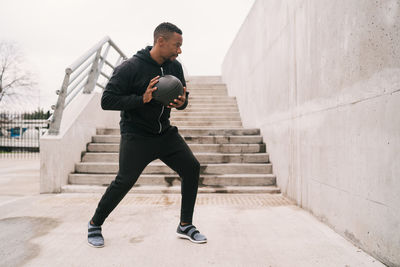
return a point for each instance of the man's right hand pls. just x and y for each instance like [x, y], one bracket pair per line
[148, 95]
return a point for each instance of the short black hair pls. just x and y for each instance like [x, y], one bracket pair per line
[164, 30]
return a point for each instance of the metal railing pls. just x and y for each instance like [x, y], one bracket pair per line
[84, 75]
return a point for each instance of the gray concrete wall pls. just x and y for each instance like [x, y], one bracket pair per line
[58, 154]
[321, 79]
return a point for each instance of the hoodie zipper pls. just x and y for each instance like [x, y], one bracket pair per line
[162, 109]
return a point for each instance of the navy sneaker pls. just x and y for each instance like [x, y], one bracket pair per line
[190, 232]
[95, 238]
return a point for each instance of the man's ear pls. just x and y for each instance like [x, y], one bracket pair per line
[161, 41]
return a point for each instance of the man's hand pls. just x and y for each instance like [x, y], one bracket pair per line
[148, 95]
[179, 101]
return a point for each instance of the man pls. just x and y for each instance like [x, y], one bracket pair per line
[146, 133]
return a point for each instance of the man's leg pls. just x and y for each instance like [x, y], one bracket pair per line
[135, 154]
[178, 156]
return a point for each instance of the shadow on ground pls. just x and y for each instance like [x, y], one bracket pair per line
[15, 238]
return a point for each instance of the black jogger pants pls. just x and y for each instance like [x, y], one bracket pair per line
[135, 153]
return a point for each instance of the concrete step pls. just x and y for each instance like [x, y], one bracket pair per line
[209, 126]
[214, 100]
[210, 98]
[216, 108]
[208, 91]
[207, 86]
[208, 103]
[228, 148]
[204, 118]
[202, 157]
[185, 131]
[185, 113]
[202, 97]
[218, 131]
[198, 123]
[202, 79]
[161, 168]
[188, 117]
[207, 148]
[209, 110]
[250, 139]
[171, 180]
[151, 189]
[201, 93]
[211, 107]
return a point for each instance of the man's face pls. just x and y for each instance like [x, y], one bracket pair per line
[171, 47]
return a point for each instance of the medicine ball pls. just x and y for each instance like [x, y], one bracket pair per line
[168, 88]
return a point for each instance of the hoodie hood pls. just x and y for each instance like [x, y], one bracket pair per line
[144, 54]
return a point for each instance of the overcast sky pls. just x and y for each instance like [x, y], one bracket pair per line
[54, 33]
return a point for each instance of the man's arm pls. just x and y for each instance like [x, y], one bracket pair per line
[117, 96]
[186, 96]
[186, 101]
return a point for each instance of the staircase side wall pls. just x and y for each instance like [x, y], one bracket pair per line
[321, 79]
[58, 154]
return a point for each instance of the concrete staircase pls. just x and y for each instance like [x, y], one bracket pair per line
[233, 159]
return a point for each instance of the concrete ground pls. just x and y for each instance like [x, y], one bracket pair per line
[242, 230]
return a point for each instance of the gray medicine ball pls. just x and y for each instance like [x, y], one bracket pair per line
[168, 88]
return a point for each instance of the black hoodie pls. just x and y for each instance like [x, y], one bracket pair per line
[124, 91]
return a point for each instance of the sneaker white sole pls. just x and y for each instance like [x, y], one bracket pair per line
[93, 246]
[188, 237]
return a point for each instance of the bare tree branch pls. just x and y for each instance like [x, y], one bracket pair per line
[12, 76]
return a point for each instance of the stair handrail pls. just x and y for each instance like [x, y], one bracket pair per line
[86, 71]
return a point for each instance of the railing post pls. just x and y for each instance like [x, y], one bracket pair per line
[55, 122]
[103, 59]
[91, 81]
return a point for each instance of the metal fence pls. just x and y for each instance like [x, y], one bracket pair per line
[20, 133]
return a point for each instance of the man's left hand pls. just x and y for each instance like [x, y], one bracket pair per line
[179, 101]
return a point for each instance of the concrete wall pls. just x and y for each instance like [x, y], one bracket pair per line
[58, 154]
[321, 79]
